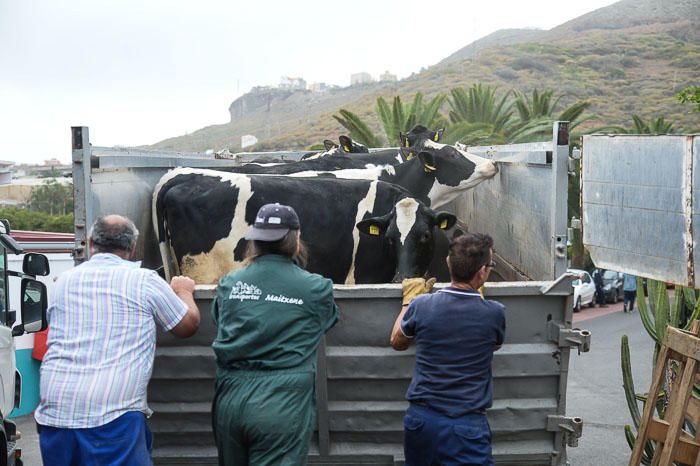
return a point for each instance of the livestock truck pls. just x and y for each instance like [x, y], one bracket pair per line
[33, 319]
[361, 381]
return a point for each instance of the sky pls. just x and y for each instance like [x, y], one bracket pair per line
[137, 72]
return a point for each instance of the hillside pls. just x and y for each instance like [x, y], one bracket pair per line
[631, 57]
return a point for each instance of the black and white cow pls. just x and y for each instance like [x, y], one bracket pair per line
[202, 216]
[436, 175]
[418, 135]
[347, 146]
[315, 165]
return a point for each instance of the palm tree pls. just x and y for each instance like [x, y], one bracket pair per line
[476, 112]
[358, 129]
[537, 113]
[654, 126]
[400, 117]
[397, 118]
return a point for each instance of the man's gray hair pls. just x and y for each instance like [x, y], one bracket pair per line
[113, 236]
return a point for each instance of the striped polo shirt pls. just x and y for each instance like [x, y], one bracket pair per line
[101, 343]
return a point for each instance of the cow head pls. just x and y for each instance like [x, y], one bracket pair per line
[454, 171]
[351, 147]
[407, 232]
[418, 134]
[347, 146]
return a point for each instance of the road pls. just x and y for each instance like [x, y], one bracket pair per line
[595, 389]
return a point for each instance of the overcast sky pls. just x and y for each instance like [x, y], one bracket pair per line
[137, 72]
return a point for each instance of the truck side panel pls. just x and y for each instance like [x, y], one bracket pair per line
[362, 381]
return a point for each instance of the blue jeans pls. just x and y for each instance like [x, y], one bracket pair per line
[432, 439]
[125, 441]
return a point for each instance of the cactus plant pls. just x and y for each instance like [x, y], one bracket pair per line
[656, 316]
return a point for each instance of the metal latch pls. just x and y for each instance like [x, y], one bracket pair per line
[563, 336]
[574, 160]
[572, 427]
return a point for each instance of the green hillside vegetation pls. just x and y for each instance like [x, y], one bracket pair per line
[630, 58]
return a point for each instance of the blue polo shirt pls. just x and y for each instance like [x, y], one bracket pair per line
[455, 332]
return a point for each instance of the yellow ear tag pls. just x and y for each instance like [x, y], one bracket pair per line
[405, 142]
[437, 136]
[443, 224]
[374, 230]
[429, 168]
[347, 149]
[410, 156]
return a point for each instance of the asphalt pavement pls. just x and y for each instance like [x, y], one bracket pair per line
[594, 390]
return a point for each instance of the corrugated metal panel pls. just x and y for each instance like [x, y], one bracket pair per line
[523, 207]
[364, 381]
[639, 205]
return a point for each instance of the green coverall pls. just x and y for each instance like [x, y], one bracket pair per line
[271, 317]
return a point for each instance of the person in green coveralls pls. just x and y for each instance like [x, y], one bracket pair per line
[270, 318]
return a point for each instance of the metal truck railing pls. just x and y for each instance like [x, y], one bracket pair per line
[362, 381]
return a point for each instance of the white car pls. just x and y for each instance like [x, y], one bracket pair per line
[584, 289]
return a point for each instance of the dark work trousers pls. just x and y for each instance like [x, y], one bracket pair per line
[431, 439]
[629, 299]
[264, 418]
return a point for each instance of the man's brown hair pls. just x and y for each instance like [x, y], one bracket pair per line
[467, 254]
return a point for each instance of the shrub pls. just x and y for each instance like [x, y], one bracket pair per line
[506, 73]
[23, 219]
[529, 63]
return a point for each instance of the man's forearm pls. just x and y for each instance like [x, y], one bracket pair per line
[398, 340]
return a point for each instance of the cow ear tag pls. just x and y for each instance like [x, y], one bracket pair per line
[409, 156]
[429, 168]
[347, 149]
[443, 224]
[374, 230]
[437, 136]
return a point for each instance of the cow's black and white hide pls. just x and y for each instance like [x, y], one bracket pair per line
[202, 216]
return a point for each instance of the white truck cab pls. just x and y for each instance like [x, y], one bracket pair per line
[33, 319]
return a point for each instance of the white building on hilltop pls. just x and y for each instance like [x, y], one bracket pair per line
[292, 84]
[360, 78]
[387, 76]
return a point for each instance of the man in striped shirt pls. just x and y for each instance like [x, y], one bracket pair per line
[100, 354]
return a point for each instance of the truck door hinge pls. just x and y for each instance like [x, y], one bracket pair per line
[572, 427]
[565, 337]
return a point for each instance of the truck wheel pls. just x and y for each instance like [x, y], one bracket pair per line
[577, 307]
[615, 298]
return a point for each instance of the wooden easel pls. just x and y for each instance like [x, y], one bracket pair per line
[672, 442]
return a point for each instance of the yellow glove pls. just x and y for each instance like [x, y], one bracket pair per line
[412, 287]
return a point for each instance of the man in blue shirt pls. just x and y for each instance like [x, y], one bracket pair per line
[456, 332]
[629, 289]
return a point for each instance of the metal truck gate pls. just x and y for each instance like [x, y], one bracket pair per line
[362, 381]
[643, 220]
[524, 206]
